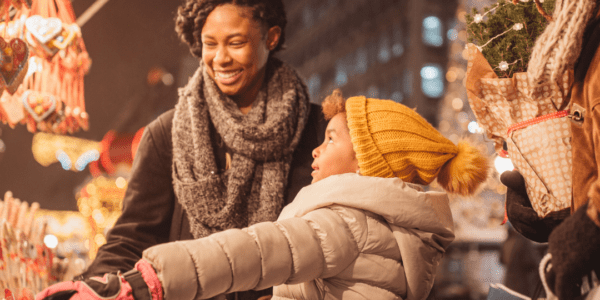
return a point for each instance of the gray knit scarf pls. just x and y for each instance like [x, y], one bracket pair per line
[261, 142]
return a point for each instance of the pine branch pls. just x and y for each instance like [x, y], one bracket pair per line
[506, 32]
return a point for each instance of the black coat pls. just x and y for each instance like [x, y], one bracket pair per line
[151, 212]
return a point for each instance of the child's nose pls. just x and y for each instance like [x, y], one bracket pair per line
[314, 153]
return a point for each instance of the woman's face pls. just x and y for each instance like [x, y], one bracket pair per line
[235, 49]
[336, 155]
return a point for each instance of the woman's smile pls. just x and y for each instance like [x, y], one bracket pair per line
[228, 77]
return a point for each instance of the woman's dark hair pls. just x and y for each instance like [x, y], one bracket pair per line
[192, 15]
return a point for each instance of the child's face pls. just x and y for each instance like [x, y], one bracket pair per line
[335, 155]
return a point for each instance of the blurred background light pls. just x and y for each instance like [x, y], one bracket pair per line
[432, 31]
[503, 164]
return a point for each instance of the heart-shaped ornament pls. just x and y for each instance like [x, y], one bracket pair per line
[43, 34]
[66, 37]
[13, 65]
[38, 105]
[43, 29]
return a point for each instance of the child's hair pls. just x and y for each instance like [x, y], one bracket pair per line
[392, 140]
[333, 104]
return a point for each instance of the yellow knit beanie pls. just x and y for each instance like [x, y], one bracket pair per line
[392, 140]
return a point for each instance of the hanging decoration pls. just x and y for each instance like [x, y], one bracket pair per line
[14, 57]
[30, 239]
[25, 262]
[43, 65]
[71, 152]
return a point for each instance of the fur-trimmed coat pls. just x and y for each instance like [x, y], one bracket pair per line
[344, 237]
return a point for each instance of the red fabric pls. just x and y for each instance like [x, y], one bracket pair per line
[150, 278]
[84, 292]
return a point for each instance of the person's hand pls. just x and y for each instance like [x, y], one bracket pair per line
[141, 283]
[575, 249]
[521, 214]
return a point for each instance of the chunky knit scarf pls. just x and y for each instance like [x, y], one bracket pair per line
[261, 142]
[556, 50]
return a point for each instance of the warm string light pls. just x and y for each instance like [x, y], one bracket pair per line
[503, 65]
[478, 18]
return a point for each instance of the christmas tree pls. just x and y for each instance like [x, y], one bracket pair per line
[506, 32]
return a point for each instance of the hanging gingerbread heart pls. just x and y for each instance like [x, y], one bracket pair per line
[13, 65]
[41, 33]
[38, 105]
[66, 37]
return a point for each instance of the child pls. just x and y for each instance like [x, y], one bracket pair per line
[362, 230]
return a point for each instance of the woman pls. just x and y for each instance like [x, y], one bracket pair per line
[236, 148]
[569, 42]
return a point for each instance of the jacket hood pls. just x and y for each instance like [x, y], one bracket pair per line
[402, 204]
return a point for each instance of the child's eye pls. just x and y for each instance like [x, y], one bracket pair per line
[330, 140]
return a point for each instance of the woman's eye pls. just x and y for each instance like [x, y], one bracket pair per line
[330, 141]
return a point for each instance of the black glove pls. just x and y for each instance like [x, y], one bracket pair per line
[521, 214]
[575, 249]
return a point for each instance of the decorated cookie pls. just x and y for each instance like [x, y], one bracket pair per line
[38, 105]
[41, 33]
[13, 63]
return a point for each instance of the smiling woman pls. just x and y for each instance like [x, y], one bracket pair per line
[233, 152]
[235, 51]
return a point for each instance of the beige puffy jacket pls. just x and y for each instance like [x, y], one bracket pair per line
[344, 237]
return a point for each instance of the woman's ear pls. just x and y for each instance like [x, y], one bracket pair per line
[273, 36]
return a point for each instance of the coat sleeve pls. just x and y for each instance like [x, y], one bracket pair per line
[147, 206]
[593, 211]
[319, 245]
[592, 94]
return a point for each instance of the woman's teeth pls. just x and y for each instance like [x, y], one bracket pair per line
[226, 75]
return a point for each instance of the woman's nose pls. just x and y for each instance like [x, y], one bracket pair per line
[222, 56]
[314, 153]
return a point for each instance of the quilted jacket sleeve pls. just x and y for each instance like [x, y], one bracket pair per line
[320, 244]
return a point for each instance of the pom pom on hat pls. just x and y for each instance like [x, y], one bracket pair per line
[392, 140]
[465, 172]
